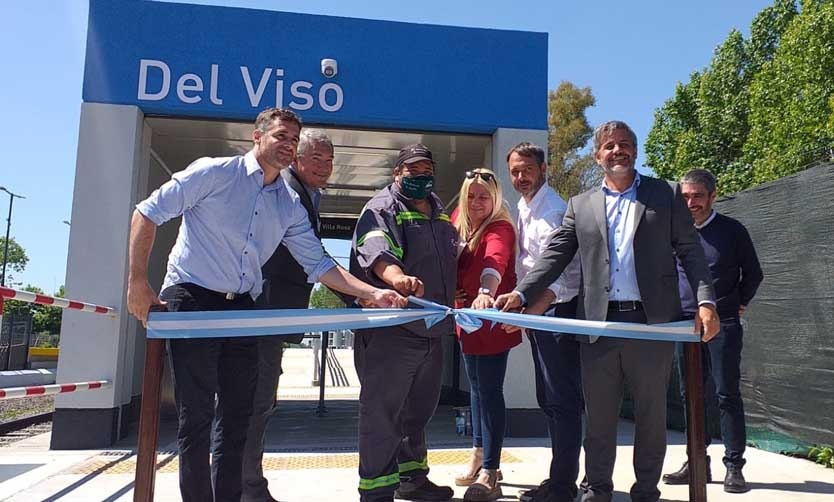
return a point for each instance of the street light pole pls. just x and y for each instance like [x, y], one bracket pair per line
[8, 228]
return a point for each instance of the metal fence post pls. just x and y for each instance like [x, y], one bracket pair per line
[325, 338]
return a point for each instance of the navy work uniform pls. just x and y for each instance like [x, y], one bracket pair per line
[400, 367]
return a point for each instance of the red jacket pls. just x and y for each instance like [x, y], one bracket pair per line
[496, 250]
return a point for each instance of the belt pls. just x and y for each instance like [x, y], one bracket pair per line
[625, 306]
[222, 294]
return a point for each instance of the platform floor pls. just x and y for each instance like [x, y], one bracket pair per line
[313, 458]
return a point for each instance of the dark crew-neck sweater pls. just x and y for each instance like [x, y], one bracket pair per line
[736, 273]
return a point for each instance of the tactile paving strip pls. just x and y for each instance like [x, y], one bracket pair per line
[169, 464]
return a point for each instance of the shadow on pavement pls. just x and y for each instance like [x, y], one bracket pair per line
[806, 487]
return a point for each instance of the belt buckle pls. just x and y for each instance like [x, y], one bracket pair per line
[230, 296]
[626, 306]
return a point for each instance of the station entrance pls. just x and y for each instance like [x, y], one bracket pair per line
[363, 164]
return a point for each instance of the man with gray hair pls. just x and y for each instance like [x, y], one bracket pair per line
[285, 287]
[627, 233]
[736, 275]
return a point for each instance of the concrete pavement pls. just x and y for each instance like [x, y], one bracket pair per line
[313, 458]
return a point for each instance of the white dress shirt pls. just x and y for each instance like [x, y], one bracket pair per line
[538, 220]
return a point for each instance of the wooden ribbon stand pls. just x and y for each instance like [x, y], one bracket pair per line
[693, 369]
[151, 396]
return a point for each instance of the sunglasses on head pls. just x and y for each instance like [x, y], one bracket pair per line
[484, 176]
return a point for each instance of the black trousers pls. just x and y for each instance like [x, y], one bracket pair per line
[608, 365]
[400, 375]
[559, 394]
[214, 381]
[270, 354]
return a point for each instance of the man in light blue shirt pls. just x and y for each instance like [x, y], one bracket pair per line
[235, 211]
[285, 287]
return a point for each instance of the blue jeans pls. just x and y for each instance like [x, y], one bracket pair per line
[559, 394]
[722, 362]
[489, 414]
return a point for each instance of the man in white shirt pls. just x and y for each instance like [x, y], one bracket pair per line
[555, 355]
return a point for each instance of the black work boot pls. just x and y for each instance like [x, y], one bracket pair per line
[681, 476]
[423, 489]
[734, 481]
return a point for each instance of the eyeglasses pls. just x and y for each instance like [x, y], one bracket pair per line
[484, 176]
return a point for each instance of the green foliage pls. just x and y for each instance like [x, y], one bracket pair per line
[723, 119]
[766, 30]
[823, 455]
[571, 170]
[16, 260]
[45, 319]
[672, 145]
[723, 104]
[791, 98]
[323, 298]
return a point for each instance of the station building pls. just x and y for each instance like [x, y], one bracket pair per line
[167, 83]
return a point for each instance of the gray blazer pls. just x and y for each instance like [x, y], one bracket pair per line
[663, 230]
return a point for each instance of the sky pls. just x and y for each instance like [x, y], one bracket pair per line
[631, 55]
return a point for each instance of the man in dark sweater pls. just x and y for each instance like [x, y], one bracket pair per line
[736, 275]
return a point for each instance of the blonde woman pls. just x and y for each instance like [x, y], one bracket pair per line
[486, 268]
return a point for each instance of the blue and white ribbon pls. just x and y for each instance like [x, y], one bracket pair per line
[234, 323]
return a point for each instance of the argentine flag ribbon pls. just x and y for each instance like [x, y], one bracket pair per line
[233, 323]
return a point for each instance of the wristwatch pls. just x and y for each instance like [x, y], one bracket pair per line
[485, 291]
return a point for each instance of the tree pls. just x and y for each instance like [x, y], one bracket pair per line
[723, 105]
[672, 144]
[571, 169]
[18, 308]
[766, 32]
[16, 261]
[323, 298]
[47, 319]
[792, 97]
[707, 123]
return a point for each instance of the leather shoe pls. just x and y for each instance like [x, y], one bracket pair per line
[545, 492]
[423, 490]
[681, 476]
[734, 481]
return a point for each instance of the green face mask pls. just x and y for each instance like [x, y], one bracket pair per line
[417, 187]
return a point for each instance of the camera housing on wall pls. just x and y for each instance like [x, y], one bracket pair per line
[329, 67]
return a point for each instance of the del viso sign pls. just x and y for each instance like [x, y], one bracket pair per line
[264, 87]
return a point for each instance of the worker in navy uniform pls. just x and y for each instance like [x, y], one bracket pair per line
[285, 287]
[405, 241]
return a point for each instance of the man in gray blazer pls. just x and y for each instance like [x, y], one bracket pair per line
[628, 234]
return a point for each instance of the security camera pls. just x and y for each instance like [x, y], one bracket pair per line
[329, 67]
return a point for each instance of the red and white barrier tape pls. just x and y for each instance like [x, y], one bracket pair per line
[64, 303]
[47, 390]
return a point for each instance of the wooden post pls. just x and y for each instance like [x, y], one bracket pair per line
[149, 421]
[695, 423]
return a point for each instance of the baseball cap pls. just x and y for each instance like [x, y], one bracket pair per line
[413, 153]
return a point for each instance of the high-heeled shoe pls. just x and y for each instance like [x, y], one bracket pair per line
[469, 476]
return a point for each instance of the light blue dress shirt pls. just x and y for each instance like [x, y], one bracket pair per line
[620, 210]
[231, 225]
